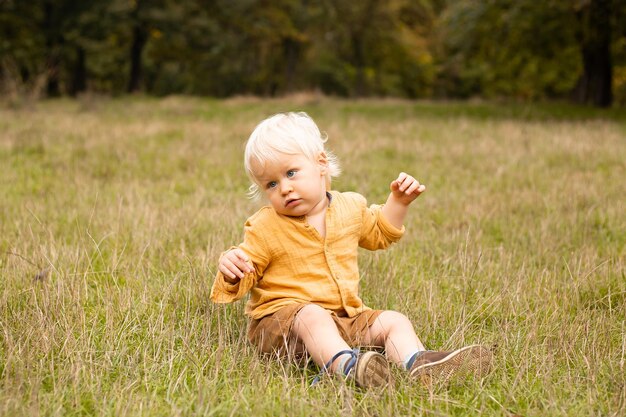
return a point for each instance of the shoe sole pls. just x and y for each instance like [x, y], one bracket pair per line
[470, 360]
[372, 370]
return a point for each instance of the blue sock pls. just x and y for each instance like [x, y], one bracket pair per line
[343, 360]
[410, 358]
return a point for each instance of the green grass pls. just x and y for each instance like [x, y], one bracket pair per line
[114, 212]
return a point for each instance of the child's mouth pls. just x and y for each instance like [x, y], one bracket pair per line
[292, 203]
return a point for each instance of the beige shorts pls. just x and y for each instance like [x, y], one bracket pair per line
[272, 334]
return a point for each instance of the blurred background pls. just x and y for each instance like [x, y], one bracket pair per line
[427, 49]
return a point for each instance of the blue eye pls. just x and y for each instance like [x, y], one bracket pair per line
[291, 173]
[272, 184]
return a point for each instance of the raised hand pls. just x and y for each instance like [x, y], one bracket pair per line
[405, 188]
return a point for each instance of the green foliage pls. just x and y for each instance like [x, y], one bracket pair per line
[416, 49]
[522, 49]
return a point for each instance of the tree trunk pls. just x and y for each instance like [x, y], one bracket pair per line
[52, 70]
[595, 84]
[53, 44]
[358, 44]
[358, 55]
[79, 76]
[140, 37]
[292, 53]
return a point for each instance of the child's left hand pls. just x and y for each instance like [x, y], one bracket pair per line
[405, 188]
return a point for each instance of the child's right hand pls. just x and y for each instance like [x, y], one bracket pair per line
[234, 264]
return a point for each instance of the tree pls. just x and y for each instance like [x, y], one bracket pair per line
[594, 39]
[543, 49]
[51, 40]
[372, 48]
[139, 37]
[525, 49]
[22, 45]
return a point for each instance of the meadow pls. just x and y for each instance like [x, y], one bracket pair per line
[115, 211]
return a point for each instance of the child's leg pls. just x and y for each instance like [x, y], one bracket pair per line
[402, 346]
[318, 331]
[394, 331]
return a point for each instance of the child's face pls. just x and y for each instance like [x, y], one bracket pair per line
[295, 185]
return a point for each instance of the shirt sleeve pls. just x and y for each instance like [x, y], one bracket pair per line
[254, 246]
[376, 231]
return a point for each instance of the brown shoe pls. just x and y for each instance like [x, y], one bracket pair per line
[371, 370]
[439, 367]
[366, 369]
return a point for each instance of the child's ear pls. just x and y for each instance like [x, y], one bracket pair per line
[322, 160]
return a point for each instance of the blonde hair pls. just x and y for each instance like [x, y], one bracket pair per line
[286, 133]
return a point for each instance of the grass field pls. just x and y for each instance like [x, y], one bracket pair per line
[114, 212]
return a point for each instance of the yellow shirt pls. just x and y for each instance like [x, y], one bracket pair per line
[294, 264]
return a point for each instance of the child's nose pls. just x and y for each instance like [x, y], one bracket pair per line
[285, 187]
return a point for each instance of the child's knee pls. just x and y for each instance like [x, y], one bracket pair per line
[390, 318]
[312, 313]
